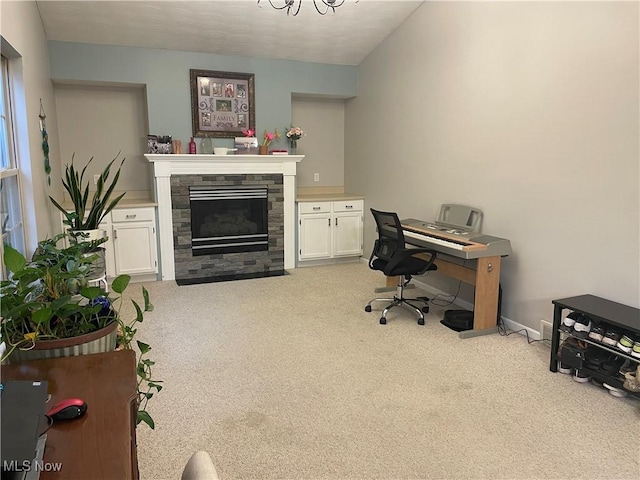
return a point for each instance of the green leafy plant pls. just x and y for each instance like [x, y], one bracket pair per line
[85, 215]
[49, 298]
[126, 336]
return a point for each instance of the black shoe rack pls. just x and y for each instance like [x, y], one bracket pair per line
[599, 310]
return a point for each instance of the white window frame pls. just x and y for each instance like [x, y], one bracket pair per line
[12, 169]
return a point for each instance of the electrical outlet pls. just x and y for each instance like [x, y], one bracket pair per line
[95, 179]
[546, 330]
[316, 177]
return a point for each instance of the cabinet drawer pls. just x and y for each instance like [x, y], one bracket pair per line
[348, 206]
[314, 207]
[132, 215]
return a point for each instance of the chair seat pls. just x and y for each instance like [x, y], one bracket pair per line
[410, 266]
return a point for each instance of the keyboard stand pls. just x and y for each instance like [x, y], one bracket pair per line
[486, 280]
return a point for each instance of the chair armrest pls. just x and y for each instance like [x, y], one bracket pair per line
[400, 255]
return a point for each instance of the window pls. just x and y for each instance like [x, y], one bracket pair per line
[10, 201]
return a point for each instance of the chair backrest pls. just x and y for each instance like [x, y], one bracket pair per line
[390, 235]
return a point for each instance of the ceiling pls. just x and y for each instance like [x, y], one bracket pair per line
[230, 27]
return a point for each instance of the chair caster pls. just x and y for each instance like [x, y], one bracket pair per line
[421, 321]
[367, 308]
[383, 321]
[425, 309]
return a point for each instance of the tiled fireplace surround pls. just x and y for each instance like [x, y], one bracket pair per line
[173, 176]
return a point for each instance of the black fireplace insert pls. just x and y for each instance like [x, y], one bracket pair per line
[228, 219]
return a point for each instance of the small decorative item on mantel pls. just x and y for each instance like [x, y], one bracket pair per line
[293, 135]
[268, 138]
[247, 145]
[159, 144]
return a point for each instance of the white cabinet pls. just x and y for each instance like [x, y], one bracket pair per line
[132, 245]
[329, 230]
[134, 240]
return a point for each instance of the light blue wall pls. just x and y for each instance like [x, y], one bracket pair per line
[166, 76]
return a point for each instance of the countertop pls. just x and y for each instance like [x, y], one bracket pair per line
[124, 203]
[327, 197]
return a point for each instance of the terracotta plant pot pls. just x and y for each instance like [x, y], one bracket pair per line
[263, 149]
[103, 340]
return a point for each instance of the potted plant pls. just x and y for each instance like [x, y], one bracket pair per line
[49, 310]
[85, 217]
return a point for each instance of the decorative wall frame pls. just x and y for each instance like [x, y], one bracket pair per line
[222, 103]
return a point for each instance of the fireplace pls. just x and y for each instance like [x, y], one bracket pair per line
[174, 176]
[227, 227]
[228, 219]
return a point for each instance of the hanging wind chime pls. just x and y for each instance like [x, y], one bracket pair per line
[45, 142]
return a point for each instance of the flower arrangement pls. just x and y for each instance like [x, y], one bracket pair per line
[270, 137]
[250, 132]
[294, 134]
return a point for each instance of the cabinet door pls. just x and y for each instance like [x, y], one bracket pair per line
[135, 248]
[315, 236]
[347, 234]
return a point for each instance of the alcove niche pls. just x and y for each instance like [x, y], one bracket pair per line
[99, 120]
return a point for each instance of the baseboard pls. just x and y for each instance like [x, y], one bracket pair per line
[510, 325]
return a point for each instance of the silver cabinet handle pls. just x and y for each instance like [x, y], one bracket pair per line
[316, 208]
[329, 221]
[132, 216]
[348, 206]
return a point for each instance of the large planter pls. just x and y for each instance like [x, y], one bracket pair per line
[103, 340]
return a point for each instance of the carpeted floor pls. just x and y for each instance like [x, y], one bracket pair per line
[288, 378]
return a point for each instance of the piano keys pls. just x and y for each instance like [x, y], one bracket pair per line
[454, 241]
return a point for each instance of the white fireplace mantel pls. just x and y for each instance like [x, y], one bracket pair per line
[164, 166]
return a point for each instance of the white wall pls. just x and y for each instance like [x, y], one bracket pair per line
[322, 120]
[99, 121]
[528, 111]
[22, 28]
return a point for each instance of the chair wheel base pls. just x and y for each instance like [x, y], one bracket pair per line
[383, 321]
[421, 321]
[425, 309]
[367, 308]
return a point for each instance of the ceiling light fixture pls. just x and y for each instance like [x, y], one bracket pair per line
[293, 6]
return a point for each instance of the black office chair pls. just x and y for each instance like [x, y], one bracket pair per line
[391, 257]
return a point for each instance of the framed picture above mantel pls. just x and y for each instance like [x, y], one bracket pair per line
[222, 103]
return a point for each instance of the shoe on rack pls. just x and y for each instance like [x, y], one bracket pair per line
[569, 321]
[628, 366]
[635, 351]
[612, 365]
[580, 376]
[582, 326]
[616, 392]
[611, 337]
[594, 357]
[625, 343]
[564, 368]
[631, 385]
[597, 332]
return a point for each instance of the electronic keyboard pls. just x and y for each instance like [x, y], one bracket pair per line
[453, 241]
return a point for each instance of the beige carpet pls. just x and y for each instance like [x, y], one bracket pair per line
[289, 378]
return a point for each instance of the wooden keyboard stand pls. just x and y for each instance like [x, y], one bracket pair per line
[486, 280]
